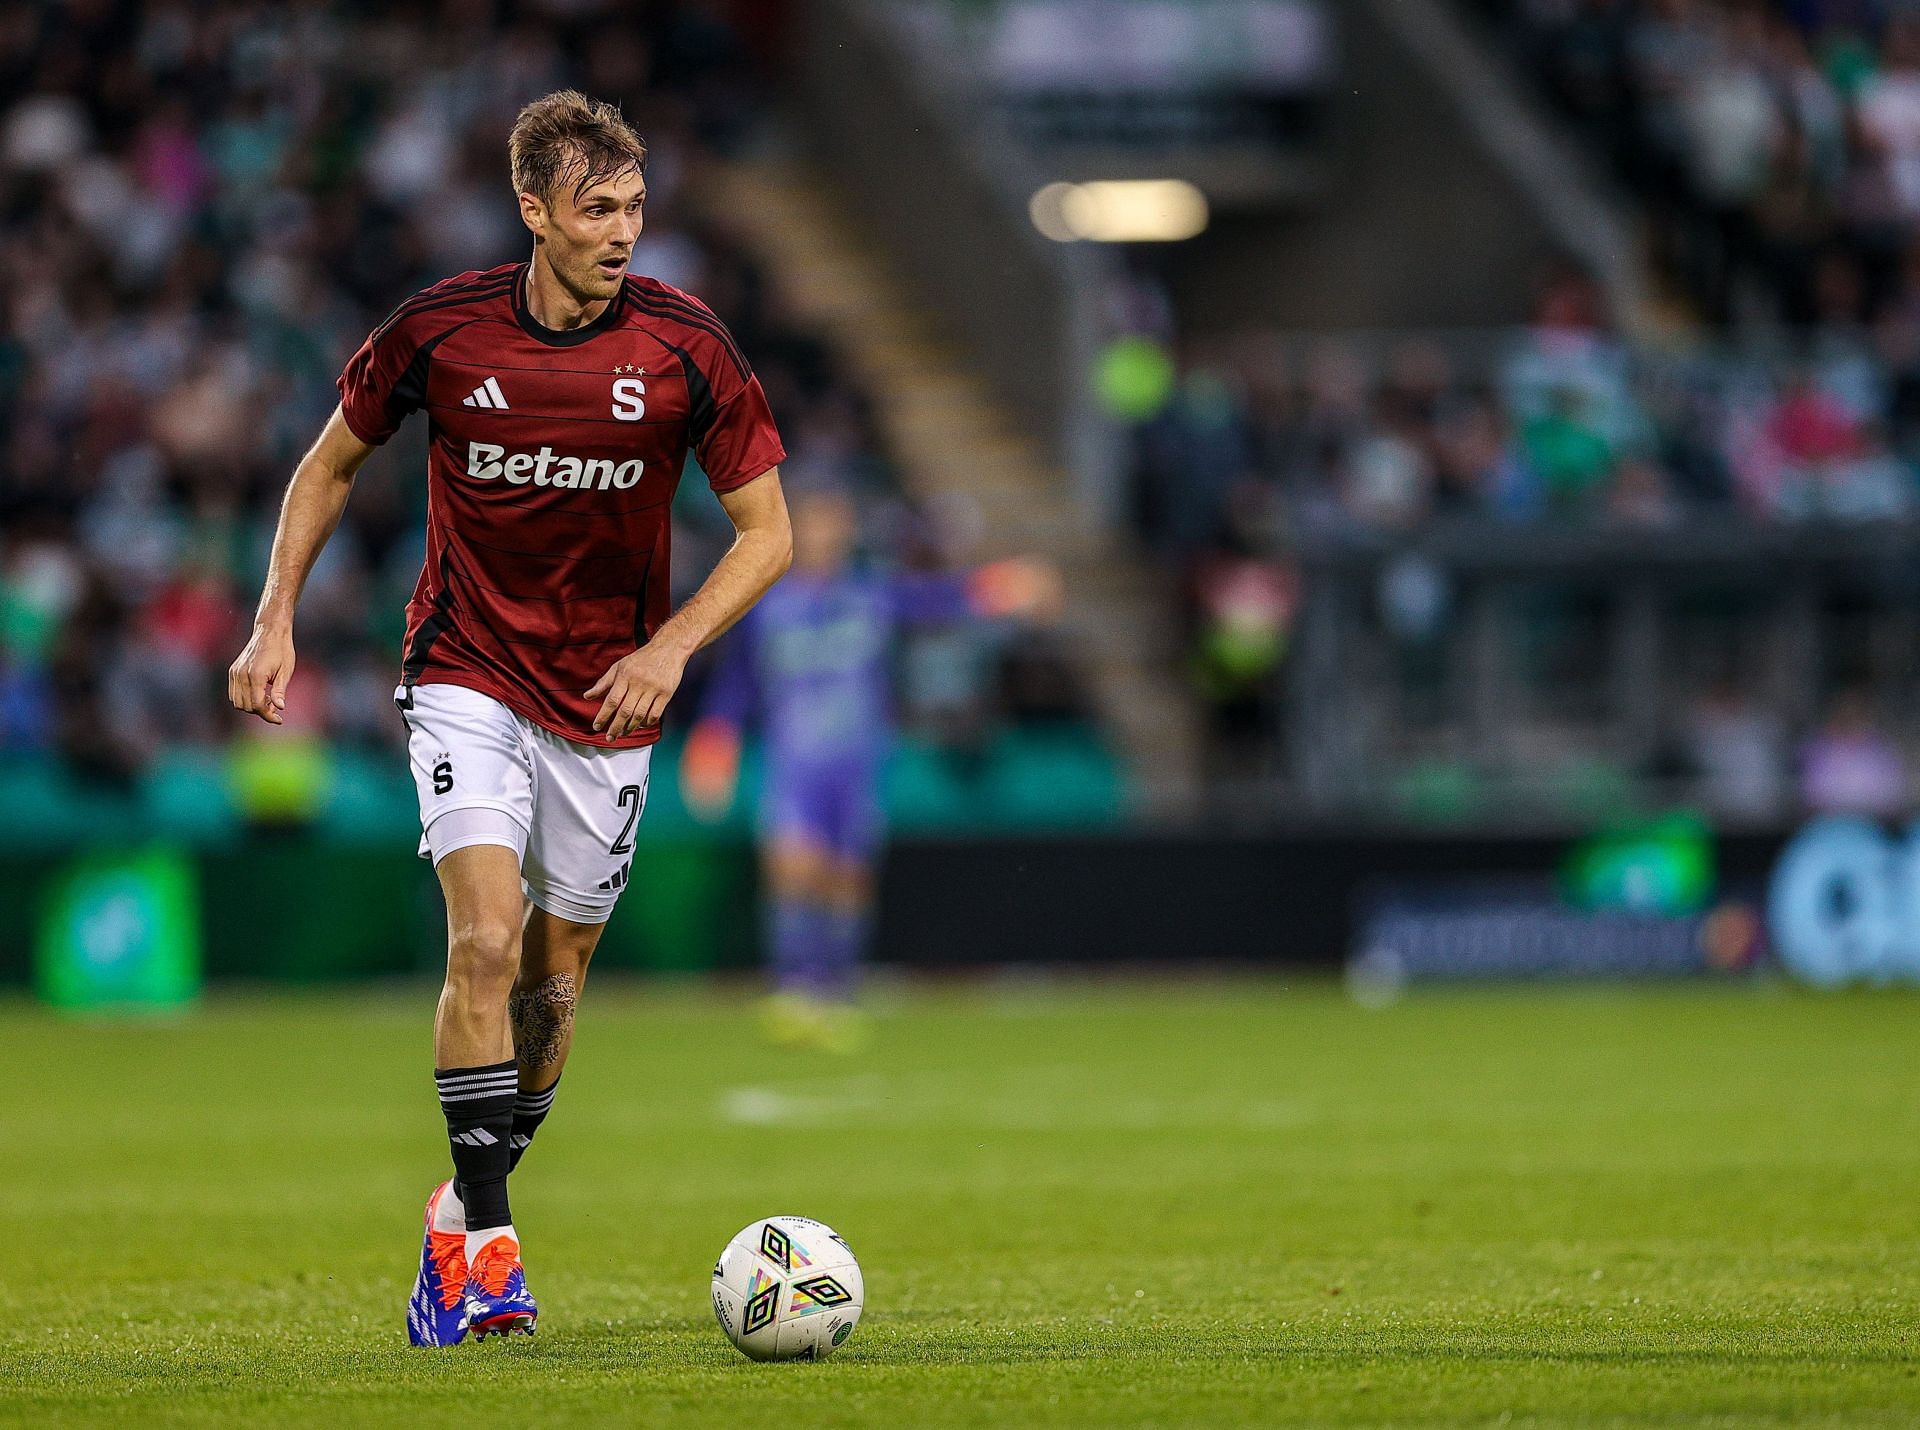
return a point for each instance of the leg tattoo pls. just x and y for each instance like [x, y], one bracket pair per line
[542, 1017]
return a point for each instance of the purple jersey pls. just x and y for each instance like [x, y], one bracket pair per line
[812, 658]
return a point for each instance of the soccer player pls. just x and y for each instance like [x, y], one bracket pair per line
[562, 397]
[813, 660]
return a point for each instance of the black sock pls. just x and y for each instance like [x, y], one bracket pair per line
[478, 1103]
[529, 1111]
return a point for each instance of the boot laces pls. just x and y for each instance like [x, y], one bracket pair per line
[448, 1249]
[495, 1265]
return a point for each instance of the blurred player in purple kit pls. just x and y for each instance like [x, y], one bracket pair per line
[813, 662]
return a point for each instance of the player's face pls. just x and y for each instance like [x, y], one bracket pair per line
[589, 234]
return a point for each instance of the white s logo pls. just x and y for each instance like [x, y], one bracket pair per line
[629, 399]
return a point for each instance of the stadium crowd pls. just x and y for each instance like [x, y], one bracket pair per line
[203, 209]
[1775, 144]
[1561, 421]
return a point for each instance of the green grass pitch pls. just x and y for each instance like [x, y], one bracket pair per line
[1226, 1203]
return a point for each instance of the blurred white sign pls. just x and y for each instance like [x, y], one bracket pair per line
[1272, 46]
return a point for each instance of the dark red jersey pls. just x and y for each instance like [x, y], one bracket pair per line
[552, 462]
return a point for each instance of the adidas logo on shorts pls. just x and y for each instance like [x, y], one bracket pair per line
[617, 882]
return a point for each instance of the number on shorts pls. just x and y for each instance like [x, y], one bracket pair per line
[629, 801]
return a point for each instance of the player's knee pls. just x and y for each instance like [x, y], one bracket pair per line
[483, 950]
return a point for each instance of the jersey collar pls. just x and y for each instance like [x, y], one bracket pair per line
[568, 337]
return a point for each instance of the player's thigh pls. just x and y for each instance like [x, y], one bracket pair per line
[471, 769]
[587, 806]
[481, 883]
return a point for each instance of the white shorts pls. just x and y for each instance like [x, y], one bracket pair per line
[487, 775]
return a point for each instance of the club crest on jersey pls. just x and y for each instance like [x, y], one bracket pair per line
[487, 462]
[629, 395]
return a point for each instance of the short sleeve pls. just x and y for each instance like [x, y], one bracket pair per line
[379, 386]
[741, 442]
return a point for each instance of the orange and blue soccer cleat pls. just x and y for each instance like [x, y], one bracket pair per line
[437, 1309]
[498, 1302]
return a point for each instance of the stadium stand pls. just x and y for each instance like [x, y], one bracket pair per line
[1434, 544]
[1705, 516]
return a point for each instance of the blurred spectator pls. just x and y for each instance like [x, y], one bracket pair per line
[1387, 480]
[1640, 496]
[1244, 607]
[1736, 752]
[1192, 454]
[1566, 451]
[1850, 766]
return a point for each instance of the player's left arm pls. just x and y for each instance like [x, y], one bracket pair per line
[635, 690]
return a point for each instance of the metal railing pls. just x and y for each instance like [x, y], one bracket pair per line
[1555, 649]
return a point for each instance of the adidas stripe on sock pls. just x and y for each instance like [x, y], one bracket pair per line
[529, 1111]
[478, 1104]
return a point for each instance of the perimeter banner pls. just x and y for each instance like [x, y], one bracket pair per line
[1527, 930]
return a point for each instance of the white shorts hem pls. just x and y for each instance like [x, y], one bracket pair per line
[440, 811]
[472, 841]
[565, 906]
[473, 822]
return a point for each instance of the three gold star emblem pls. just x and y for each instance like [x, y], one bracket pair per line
[630, 367]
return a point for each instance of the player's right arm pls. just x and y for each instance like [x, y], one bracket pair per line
[317, 495]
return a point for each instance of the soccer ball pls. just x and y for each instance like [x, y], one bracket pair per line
[788, 1288]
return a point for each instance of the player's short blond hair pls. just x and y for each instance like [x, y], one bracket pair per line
[569, 138]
